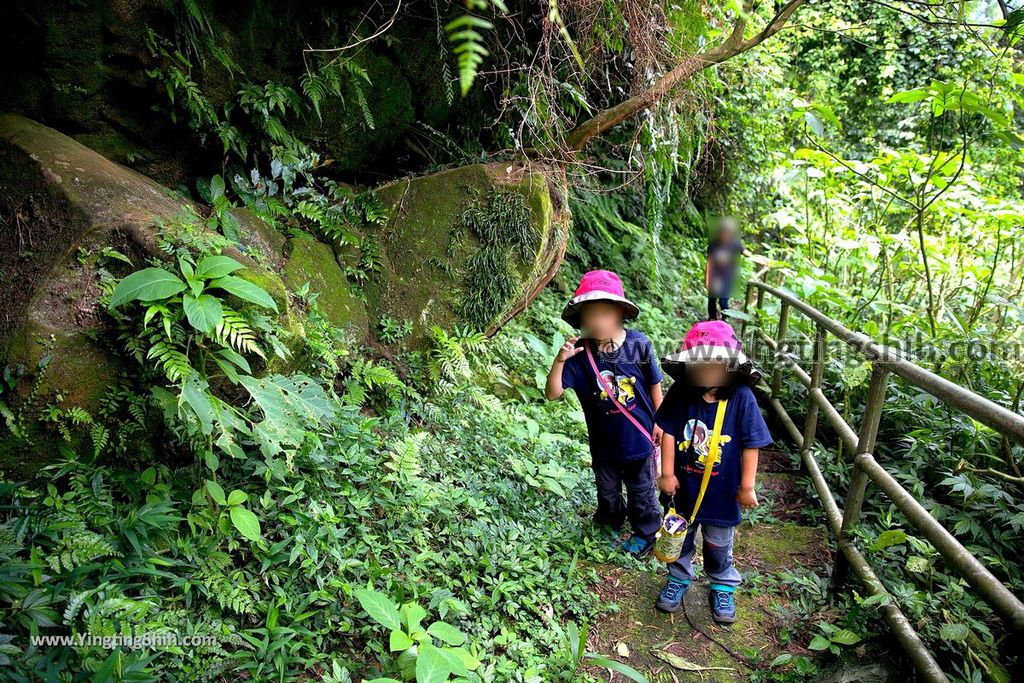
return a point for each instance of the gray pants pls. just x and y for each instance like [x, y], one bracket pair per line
[641, 502]
[717, 556]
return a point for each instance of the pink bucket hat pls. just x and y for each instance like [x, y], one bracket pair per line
[713, 341]
[598, 285]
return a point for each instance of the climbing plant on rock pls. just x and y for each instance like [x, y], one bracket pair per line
[504, 227]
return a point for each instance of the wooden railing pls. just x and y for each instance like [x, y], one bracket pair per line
[885, 361]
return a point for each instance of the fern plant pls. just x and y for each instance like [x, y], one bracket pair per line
[464, 32]
[181, 324]
[449, 359]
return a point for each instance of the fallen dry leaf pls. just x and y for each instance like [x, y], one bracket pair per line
[685, 665]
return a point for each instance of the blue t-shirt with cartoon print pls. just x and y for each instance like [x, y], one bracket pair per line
[691, 419]
[630, 371]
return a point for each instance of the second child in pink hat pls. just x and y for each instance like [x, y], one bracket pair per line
[614, 372]
[713, 384]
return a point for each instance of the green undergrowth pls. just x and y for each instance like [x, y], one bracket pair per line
[441, 479]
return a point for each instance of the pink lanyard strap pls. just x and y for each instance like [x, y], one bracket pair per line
[611, 395]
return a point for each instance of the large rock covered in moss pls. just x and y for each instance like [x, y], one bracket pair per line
[313, 263]
[61, 202]
[64, 206]
[468, 246]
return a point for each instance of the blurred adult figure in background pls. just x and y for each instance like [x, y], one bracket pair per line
[724, 249]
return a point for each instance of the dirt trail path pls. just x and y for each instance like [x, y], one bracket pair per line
[778, 538]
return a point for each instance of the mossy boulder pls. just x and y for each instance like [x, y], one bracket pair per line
[66, 204]
[311, 262]
[430, 268]
[261, 242]
[448, 237]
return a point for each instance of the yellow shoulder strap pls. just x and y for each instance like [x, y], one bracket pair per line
[709, 460]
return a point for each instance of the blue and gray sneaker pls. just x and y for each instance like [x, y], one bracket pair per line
[637, 546]
[671, 595]
[723, 608]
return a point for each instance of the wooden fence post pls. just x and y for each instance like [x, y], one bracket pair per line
[817, 369]
[746, 308]
[780, 348]
[859, 479]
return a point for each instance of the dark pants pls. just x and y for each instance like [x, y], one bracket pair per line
[714, 304]
[641, 502]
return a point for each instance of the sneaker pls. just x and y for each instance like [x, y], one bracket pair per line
[671, 595]
[637, 546]
[723, 608]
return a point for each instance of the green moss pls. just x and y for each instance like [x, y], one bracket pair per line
[260, 239]
[77, 373]
[389, 102]
[779, 545]
[438, 246]
[645, 630]
[313, 263]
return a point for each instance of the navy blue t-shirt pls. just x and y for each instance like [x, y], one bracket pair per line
[630, 371]
[691, 419]
[724, 260]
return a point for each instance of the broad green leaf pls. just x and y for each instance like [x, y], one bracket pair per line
[237, 497]
[148, 284]
[380, 607]
[216, 492]
[400, 641]
[889, 537]
[845, 637]
[431, 665]
[454, 661]
[186, 268]
[955, 632]
[918, 564]
[213, 267]
[234, 357]
[460, 659]
[908, 96]
[204, 312]
[216, 188]
[407, 664]
[819, 643]
[618, 667]
[412, 614]
[244, 289]
[446, 633]
[246, 522]
[194, 394]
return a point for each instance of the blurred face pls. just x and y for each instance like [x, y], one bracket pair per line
[601, 319]
[707, 374]
[726, 230]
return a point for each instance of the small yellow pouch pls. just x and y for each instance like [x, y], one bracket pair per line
[668, 544]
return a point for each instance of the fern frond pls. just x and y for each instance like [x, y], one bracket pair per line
[234, 332]
[175, 364]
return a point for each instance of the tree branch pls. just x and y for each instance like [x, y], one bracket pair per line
[733, 45]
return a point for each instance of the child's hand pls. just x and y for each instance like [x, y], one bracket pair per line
[568, 350]
[747, 498]
[669, 483]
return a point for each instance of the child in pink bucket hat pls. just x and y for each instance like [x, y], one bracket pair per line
[614, 373]
[713, 381]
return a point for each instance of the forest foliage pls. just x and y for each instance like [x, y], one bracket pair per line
[324, 509]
